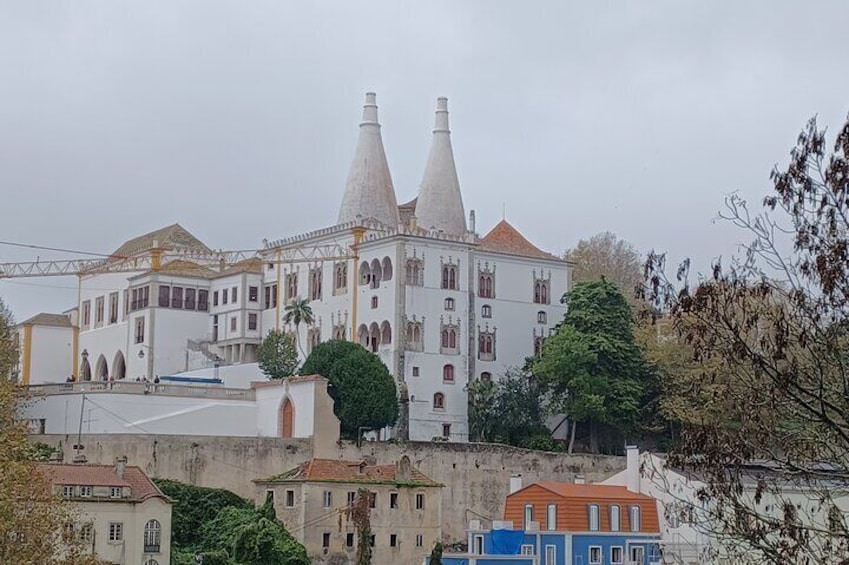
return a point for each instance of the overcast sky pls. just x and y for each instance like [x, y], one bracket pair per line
[239, 119]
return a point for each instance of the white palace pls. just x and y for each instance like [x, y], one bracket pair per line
[414, 283]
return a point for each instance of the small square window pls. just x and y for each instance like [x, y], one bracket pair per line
[290, 498]
[393, 500]
[449, 304]
[446, 430]
[374, 302]
[415, 371]
[67, 491]
[595, 555]
[85, 492]
[393, 540]
[115, 492]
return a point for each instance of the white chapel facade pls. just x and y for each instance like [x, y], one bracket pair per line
[440, 305]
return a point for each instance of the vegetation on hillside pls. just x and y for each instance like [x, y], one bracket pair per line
[278, 355]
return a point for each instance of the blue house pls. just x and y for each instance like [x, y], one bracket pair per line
[568, 524]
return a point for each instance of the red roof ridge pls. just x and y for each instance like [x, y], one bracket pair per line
[504, 238]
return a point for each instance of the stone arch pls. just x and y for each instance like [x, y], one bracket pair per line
[385, 333]
[286, 415]
[119, 366]
[362, 336]
[101, 369]
[387, 269]
[365, 273]
[376, 273]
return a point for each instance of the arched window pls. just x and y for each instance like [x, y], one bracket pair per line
[373, 337]
[486, 376]
[615, 518]
[594, 517]
[634, 518]
[544, 293]
[376, 273]
[444, 338]
[387, 269]
[486, 344]
[486, 311]
[449, 304]
[151, 562]
[537, 286]
[385, 333]
[485, 285]
[452, 339]
[152, 536]
[439, 401]
[448, 373]
[362, 335]
[542, 317]
[340, 276]
[449, 277]
[365, 273]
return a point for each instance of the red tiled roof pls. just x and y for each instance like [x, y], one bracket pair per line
[600, 492]
[43, 319]
[141, 487]
[504, 238]
[340, 471]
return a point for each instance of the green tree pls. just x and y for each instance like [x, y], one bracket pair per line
[436, 554]
[8, 344]
[605, 256]
[593, 364]
[327, 354]
[277, 355]
[483, 417]
[298, 312]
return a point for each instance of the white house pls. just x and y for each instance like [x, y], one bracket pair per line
[45, 349]
[414, 283]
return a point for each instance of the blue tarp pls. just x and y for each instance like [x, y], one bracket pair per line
[506, 542]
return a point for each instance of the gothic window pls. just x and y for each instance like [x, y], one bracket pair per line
[486, 282]
[542, 291]
[376, 273]
[538, 343]
[315, 283]
[448, 374]
[486, 345]
[340, 278]
[313, 338]
[373, 337]
[291, 286]
[415, 272]
[362, 336]
[339, 332]
[449, 277]
[270, 296]
[414, 336]
[365, 273]
[449, 339]
[449, 304]
[386, 267]
[439, 401]
[385, 333]
[542, 317]
[486, 311]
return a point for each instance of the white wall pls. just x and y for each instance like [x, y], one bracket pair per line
[51, 356]
[269, 400]
[233, 376]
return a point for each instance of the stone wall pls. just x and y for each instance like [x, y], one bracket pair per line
[476, 476]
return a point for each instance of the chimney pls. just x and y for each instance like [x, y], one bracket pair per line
[515, 483]
[580, 480]
[121, 466]
[632, 468]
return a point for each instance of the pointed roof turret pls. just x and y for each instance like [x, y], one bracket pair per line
[440, 204]
[369, 192]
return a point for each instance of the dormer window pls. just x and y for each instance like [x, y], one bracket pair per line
[85, 492]
[115, 492]
[593, 517]
[67, 491]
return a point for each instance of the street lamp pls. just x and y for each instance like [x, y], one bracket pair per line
[141, 355]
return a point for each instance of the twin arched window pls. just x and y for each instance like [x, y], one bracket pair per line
[449, 339]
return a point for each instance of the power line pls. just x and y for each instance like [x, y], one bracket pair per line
[46, 248]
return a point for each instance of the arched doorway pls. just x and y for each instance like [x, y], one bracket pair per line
[119, 367]
[287, 418]
[101, 370]
[85, 370]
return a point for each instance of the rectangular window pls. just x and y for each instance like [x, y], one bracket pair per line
[325, 539]
[415, 371]
[116, 531]
[420, 540]
[614, 518]
[634, 518]
[86, 314]
[252, 321]
[67, 491]
[290, 498]
[270, 297]
[233, 295]
[203, 300]
[327, 499]
[550, 555]
[164, 296]
[371, 540]
[215, 298]
[420, 501]
[189, 304]
[233, 323]
[595, 555]
[177, 297]
[86, 533]
[113, 308]
[477, 548]
[115, 492]
[352, 497]
[527, 549]
[393, 540]
[529, 515]
[98, 311]
[126, 304]
[551, 517]
[615, 555]
[374, 302]
[393, 500]
[593, 517]
[446, 430]
[373, 500]
[253, 293]
[224, 296]
[349, 540]
[144, 297]
[140, 329]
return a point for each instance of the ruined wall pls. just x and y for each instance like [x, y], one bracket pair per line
[476, 476]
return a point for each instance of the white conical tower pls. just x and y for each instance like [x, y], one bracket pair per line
[369, 192]
[440, 204]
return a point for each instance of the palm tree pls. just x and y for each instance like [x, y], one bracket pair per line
[298, 311]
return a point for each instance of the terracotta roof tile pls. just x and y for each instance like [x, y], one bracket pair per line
[252, 265]
[600, 492]
[340, 471]
[43, 319]
[60, 474]
[174, 236]
[504, 238]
